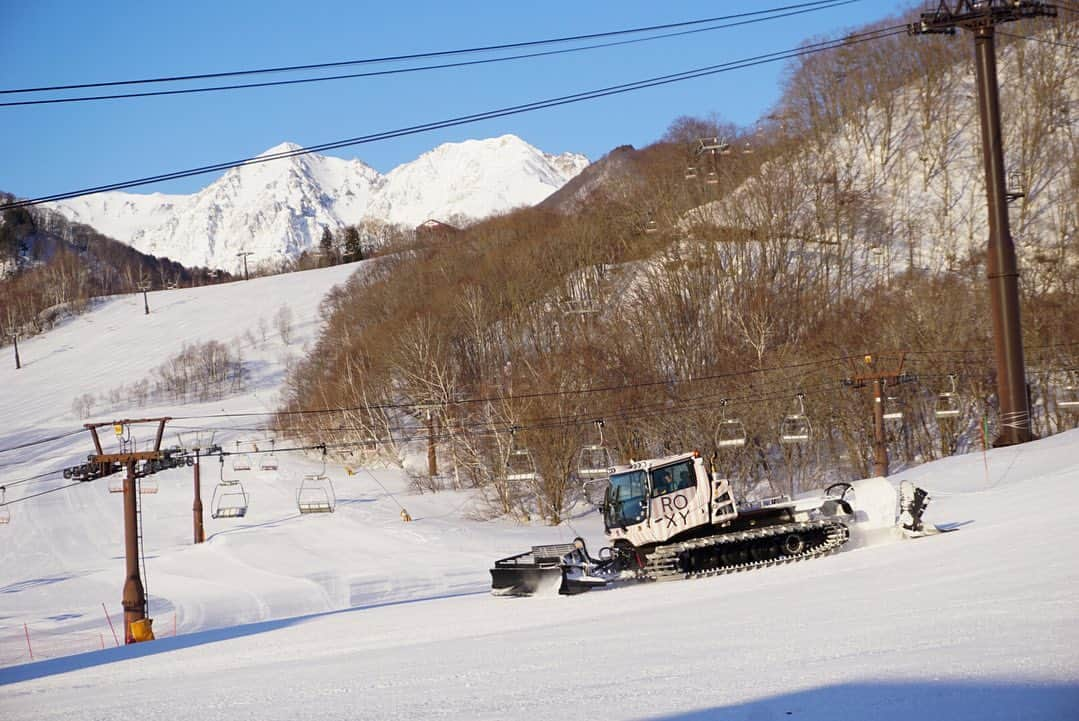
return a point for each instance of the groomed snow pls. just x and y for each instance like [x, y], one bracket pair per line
[356, 614]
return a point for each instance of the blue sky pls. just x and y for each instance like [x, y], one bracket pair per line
[57, 148]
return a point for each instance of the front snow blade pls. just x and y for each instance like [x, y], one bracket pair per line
[526, 581]
[535, 572]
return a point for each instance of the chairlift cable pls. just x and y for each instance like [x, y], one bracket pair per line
[44, 493]
[31, 479]
[440, 53]
[40, 441]
[472, 118]
[398, 71]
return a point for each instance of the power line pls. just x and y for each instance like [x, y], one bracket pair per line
[487, 115]
[535, 395]
[603, 389]
[398, 71]
[481, 428]
[427, 55]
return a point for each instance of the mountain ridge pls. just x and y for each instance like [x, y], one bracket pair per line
[280, 209]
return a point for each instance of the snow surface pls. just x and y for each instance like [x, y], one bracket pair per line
[278, 209]
[356, 614]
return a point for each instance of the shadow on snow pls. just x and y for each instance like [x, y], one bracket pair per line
[51, 667]
[902, 701]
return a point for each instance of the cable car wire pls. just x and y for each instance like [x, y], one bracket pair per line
[476, 117]
[399, 71]
[439, 53]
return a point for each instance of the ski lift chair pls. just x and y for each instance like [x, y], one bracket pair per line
[712, 178]
[947, 405]
[795, 428]
[5, 512]
[519, 463]
[230, 499]
[241, 461]
[594, 461]
[269, 463]
[894, 416]
[1068, 398]
[316, 494]
[730, 433]
[520, 466]
[691, 172]
[148, 485]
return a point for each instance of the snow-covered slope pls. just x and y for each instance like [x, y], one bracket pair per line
[978, 624]
[279, 208]
[900, 184]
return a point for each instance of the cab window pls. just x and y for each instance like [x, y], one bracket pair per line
[673, 478]
[625, 499]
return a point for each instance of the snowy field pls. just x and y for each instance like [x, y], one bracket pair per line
[356, 614]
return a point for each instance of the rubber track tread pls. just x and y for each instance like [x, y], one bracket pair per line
[662, 563]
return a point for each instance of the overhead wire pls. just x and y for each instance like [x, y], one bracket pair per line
[491, 428]
[44, 493]
[31, 479]
[425, 55]
[603, 389]
[423, 68]
[40, 441]
[477, 117]
[538, 394]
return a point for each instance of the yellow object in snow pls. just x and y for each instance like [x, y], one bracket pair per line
[142, 630]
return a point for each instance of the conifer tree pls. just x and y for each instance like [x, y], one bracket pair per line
[325, 245]
[353, 249]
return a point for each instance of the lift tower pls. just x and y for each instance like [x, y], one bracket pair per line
[152, 460]
[981, 17]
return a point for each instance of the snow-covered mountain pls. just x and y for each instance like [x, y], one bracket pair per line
[278, 209]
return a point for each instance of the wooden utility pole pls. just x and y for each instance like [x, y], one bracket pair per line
[15, 341]
[879, 378]
[144, 287]
[981, 17]
[243, 254]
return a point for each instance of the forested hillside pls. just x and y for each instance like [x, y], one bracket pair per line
[666, 290]
[51, 268]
